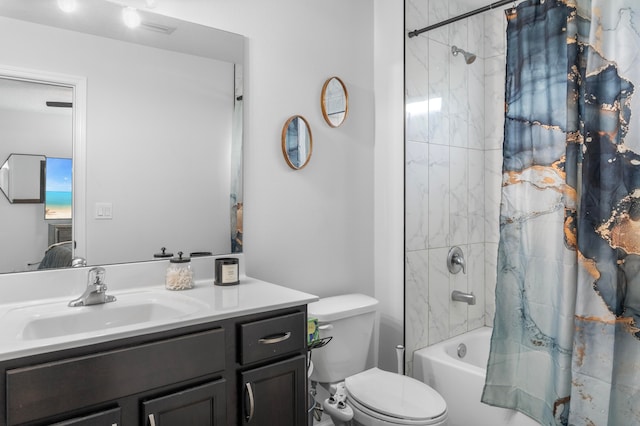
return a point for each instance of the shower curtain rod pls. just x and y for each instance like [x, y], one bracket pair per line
[491, 6]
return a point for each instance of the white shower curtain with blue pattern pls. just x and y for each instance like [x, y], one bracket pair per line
[565, 348]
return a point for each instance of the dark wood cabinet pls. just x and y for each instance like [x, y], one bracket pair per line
[195, 375]
[272, 354]
[274, 394]
[46, 389]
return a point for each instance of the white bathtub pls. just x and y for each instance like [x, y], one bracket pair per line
[460, 380]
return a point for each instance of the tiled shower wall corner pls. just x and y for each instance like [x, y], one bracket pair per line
[454, 132]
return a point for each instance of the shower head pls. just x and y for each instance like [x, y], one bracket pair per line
[468, 57]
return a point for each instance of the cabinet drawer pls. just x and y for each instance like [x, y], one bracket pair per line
[44, 390]
[103, 418]
[272, 337]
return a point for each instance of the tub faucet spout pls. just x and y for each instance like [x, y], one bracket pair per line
[460, 296]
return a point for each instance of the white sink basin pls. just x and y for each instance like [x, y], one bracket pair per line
[56, 319]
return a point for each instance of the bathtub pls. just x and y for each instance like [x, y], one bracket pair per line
[460, 380]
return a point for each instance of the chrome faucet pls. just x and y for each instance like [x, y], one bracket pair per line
[96, 291]
[459, 296]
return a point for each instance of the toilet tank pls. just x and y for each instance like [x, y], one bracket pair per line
[349, 319]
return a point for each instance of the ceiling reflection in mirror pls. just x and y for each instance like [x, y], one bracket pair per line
[162, 143]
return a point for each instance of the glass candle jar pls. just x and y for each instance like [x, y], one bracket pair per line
[226, 272]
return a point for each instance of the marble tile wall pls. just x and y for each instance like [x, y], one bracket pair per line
[454, 128]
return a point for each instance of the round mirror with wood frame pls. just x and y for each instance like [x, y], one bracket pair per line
[334, 101]
[297, 142]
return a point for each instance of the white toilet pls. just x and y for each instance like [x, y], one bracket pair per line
[370, 397]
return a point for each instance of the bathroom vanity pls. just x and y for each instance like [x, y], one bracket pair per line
[238, 358]
[209, 355]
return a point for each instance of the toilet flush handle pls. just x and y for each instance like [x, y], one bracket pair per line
[324, 327]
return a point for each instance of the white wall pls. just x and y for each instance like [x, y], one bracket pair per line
[310, 229]
[389, 177]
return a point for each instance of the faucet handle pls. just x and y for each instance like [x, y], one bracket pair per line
[78, 262]
[96, 276]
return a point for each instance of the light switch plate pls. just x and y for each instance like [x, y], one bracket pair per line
[104, 211]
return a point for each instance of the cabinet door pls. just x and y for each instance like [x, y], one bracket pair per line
[203, 405]
[274, 394]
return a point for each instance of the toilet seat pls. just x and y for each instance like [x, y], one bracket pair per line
[395, 398]
[378, 418]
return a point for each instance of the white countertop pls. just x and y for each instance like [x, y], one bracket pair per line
[212, 303]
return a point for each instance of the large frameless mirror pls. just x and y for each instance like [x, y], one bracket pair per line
[334, 100]
[162, 122]
[297, 142]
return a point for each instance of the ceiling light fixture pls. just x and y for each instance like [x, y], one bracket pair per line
[131, 17]
[67, 6]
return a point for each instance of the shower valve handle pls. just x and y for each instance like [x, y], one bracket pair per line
[455, 261]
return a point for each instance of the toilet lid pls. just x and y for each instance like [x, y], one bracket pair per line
[394, 395]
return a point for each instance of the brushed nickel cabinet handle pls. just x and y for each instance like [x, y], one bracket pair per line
[252, 407]
[152, 420]
[277, 339]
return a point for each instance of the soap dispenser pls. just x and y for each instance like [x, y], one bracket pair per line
[179, 274]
